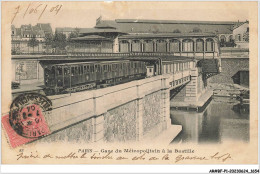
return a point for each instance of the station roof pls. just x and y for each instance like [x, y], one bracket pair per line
[89, 31]
[167, 26]
[160, 35]
[90, 37]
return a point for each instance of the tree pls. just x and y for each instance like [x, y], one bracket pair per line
[246, 36]
[176, 31]
[196, 30]
[48, 41]
[72, 35]
[59, 42]
[33, 42]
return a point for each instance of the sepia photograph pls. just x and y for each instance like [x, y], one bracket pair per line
[129, 83]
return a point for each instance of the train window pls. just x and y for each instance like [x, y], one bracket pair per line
[66, 70]
[76, 70]
[53, 70]
[72, 71]
[81, 69]
[59, 70]
[105, 68]
[114, 67]
[91, 68]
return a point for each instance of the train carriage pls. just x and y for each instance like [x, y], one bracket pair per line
[73, 77]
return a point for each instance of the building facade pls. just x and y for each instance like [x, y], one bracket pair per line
[241, 35]
[20, 37]
[180, 38]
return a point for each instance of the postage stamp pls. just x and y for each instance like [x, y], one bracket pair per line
[26, 121]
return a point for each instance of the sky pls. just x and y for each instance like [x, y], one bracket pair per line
[84, 14]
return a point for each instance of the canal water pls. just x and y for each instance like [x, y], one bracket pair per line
[224, 119]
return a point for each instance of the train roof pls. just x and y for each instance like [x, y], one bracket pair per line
[163, 58]
[112, 61]
[135, 58]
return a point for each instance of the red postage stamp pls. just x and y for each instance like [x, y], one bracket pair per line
[26, 121]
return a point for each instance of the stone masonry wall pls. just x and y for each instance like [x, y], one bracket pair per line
[229, 67]
[81, 132]
[120, 123]
[151, 111]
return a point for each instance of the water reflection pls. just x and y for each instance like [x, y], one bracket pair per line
[223, 119]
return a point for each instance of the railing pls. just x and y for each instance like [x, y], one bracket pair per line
[134, 54]
[234, 52]
[119, 54]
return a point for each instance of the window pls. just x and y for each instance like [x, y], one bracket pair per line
[247, 29]
[239, 37]
[174, 46]
[66, 71]
[136, 46]
[88, 68]
[161, 46]
[209, 44]
[199, 45]
[59, 70]
[105, 68]
[148, 46]
[72, 71]
[76, 70]
[81, 69]
[91, 68]
[187, 46]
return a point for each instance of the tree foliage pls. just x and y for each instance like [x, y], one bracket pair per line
[49, 39]
[196, 30]
[59, 41]
[176, 31]
[74, 34]
[33, 42]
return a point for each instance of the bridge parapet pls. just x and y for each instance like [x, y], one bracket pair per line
[124, 112]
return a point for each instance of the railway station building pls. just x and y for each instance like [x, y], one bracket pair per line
[126, 37]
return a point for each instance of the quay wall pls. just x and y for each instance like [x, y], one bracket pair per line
[229, 67]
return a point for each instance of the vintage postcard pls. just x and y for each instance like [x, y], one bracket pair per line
[129, 83]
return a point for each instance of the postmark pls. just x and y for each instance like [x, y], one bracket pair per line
[26, 115]
[26, 120]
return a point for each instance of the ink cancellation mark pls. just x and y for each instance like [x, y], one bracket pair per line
[26, 120]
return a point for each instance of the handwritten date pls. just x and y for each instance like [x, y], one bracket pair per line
[36, 9]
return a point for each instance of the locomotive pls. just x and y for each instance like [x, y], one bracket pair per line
[74, 77]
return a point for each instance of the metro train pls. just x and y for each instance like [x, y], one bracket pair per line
[79, 76]
[74, 77]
